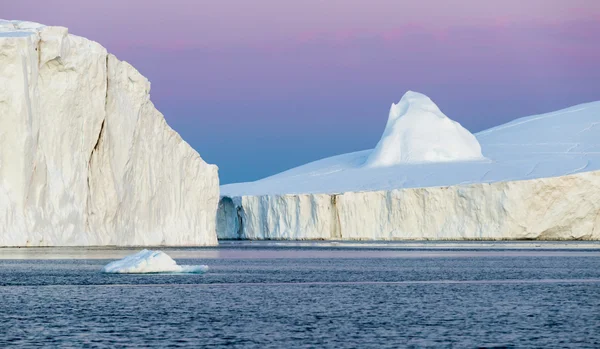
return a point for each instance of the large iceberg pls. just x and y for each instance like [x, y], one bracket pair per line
[147, 261]
[532, 178]
[85, 157]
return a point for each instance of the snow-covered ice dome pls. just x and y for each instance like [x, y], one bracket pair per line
[553, 144]
[418, 132]
[148, 261]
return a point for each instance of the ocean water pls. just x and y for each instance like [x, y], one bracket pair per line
[270, 295]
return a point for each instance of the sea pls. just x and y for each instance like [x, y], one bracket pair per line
[308, 295]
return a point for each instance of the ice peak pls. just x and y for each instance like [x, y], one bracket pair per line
[415, 97]
[417, 132]
[414, 101]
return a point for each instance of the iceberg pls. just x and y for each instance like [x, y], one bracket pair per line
[148, 261]
[85, 157]
[418, 132]
[533, 178]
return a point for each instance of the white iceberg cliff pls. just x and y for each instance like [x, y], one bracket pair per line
[147, 261]
[533, 178]
[85, 158]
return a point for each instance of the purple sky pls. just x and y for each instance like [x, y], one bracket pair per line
[261, 86]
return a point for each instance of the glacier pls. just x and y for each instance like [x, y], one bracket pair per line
[533, 178]
[85, 157]
[148, 261]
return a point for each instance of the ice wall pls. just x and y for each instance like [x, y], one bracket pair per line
[85, 158]
[556, 208]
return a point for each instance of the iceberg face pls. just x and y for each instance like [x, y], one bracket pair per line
[541, 180]
[418, 132]
[558, 208]
[85, 158]
[147, 261]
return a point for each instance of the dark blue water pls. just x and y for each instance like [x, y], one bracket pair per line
[308, 297]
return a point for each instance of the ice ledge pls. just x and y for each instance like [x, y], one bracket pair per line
[18, 28]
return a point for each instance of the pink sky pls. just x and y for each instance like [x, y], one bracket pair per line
[225, 23]
[247, 82]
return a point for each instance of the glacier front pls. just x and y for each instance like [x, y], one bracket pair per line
[85, 157]
[533, 178]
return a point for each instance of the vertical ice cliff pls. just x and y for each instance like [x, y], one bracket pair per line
[558, 208]
[85, 158]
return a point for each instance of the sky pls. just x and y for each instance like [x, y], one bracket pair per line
[258, 87]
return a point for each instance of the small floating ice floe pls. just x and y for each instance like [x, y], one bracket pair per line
[147, 261]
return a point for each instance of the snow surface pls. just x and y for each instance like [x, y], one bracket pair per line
[418, 132]
[547, 145]
[85, 157]
[148, 261]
